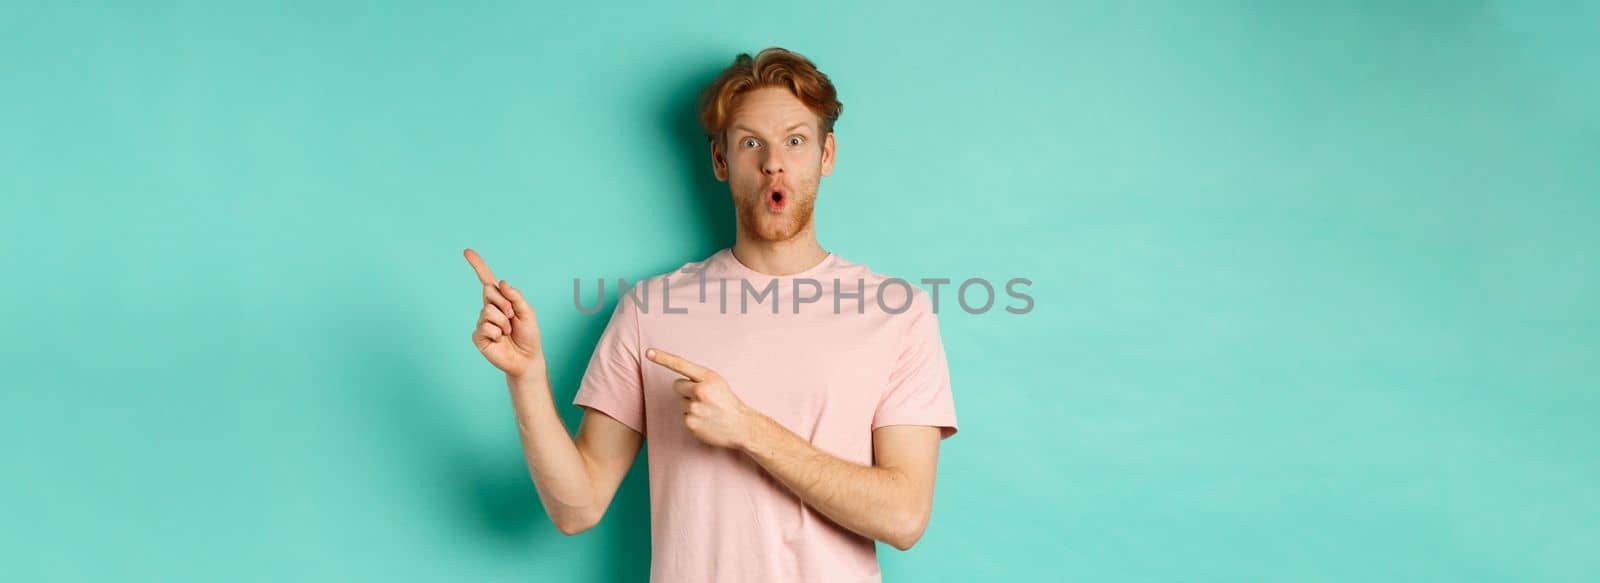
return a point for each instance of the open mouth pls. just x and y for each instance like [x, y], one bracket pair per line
[776, 200]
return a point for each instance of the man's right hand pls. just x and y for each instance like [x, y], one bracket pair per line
[507, 333]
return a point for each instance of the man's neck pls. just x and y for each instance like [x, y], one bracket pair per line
[779, 257]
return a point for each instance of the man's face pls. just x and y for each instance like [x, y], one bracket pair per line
[773, 160]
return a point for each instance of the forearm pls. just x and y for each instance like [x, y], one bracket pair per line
[558, 468]
[878, 503]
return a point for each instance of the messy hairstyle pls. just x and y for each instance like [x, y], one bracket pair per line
[772, 67]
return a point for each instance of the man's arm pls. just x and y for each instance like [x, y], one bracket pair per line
[888, 501]
[576, 480]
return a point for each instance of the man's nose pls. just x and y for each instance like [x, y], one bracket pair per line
[772, 164]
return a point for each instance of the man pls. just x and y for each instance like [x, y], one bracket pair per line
[785, 436]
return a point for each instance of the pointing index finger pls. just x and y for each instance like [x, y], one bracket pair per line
[677, 364]
[484, 275]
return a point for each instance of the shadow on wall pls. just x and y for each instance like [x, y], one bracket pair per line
[488, 489]
[684, 140]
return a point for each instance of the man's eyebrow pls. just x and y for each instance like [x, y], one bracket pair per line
[789, 129]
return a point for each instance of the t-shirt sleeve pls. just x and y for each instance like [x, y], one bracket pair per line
[613, 384]
[919, 386]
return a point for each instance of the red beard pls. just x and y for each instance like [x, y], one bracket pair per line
[764, 225]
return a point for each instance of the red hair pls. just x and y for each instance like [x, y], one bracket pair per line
[772, 67]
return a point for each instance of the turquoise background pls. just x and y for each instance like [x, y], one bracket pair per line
[1315, 283]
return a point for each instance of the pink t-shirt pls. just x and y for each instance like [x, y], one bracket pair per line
[838, 363]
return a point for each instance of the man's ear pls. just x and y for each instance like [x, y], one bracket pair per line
[719, 161]
[829, 148]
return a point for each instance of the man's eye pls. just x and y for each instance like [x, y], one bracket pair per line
[797, 140]
[749, 142]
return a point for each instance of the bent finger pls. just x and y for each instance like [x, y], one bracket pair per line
[518, 303]
[493, 315]
[493, 297]
[683, 387]
[489, 331]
